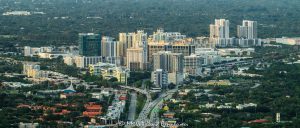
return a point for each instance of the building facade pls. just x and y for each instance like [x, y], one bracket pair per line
[136, 59]
[220, 29]
[248, 30]
[169, 63]
[85, 61]
[159, 78]
[108, 71]
[185, 49]
[193, 65]
[89, 44]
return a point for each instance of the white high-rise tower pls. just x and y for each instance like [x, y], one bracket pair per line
[220, 29]
[248, 30]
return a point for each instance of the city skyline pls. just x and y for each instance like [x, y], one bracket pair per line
[149, 64]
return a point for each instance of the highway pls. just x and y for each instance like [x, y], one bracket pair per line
[150, 105]
[157, 103]
[132, 107]
[154, 116]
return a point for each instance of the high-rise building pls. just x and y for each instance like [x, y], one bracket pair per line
[89, 44]
[133, 41]
[136, 59]
[183, 48]
[248, 30]
[161, 36]
[122, 45]
[109, 47]
[140, 38]
[220, 29]
[168, 61]
[219, 33]
[168, 64]
[193, 64]
[159, 78]
[202, 42]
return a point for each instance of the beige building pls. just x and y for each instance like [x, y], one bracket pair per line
[220, 29]
[108, 71]
[179, 47]
[135, 42]
[136, 59]
[169, 65]
[31, 70]
[193, 65]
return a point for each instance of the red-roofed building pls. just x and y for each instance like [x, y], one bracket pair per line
[122, 98]
[92, 110]
[169, 115]
[23, 106]
[259, 121]
[63, 112]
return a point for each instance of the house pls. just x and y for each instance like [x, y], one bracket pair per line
[259, 121]
[242, 106]
[28, 125]
[169, 115]
[218, 83]
[92, 109]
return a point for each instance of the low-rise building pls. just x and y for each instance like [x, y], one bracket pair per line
[28, 125]
[218, 83]
[53, 55]
[288, 41]
[34, 51]
[210, 55]
[85, 61]
[236, 51]
[242, 106]
[92, 110]
[108, 71]
[16, 84]
[169, 115]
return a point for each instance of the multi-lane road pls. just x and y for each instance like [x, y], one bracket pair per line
[132, 107]
[151, 107]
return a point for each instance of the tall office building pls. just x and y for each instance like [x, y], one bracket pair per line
[134, 39]
[135, 59]
[161, 36]
[122, 44]
[248, 30]
[220, 29]
[126, 39]
[134, 49]
[168, 61]
[140, 39]
[170, 64]
[109, 47]
[183, 48]
[89, 44]
[193, 64]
